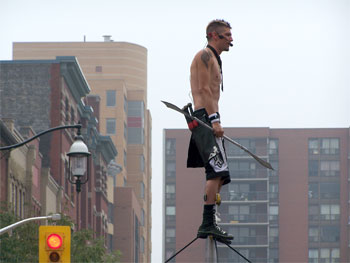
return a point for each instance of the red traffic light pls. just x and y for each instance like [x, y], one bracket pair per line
[54, 241]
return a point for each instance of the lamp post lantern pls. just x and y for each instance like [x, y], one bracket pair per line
[79, 165]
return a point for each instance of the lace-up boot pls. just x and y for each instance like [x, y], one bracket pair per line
[209, 226]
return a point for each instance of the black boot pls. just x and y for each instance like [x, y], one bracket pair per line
[209, 226]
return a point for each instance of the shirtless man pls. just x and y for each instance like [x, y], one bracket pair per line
[206, 148]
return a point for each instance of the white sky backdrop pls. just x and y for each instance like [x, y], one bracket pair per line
[289, 66]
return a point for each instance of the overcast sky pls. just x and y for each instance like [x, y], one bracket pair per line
[289, 66]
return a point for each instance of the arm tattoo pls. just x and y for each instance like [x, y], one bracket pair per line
[205, 57]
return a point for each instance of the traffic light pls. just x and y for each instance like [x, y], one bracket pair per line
[54, 244]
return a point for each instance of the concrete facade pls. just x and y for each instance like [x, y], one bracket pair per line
[297, 213]
[117, 73]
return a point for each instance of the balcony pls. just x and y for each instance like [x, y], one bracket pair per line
[256, 173]
[250, 241]
[243, 218]
[244, 196]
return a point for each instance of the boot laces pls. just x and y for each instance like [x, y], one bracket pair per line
[217, 227]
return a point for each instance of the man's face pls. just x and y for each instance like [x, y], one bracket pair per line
[226, 39]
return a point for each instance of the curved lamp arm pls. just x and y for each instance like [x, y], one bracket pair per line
[77, 126]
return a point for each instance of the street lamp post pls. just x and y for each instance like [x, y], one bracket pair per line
[79, 165]
[78, 155]
[10, 227]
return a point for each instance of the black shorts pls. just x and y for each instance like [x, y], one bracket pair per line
[208, 151]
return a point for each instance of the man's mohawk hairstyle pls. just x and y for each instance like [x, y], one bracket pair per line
[218, 22]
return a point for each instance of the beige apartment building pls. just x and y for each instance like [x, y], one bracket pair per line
[117, 74]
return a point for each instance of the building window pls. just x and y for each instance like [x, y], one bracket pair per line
[111, 98]
[67, 110]
[329, 255]
[72, 116]
[273, 190]
[329, 190]
[240, 192]
[313, 168]
[16, 201]
[137, 239]
[329, 168]
[273, 146]
[142, 217]
[170, 234]
[242, 168]
[330, 212]
[274, 255]
[20, 204]
[98, 69]
[239, 213]
[314, 212]
[136, 122]
[313, 255]
[330, 146]
[125, 131]
[313, 147]
[273, 233]
[170, 191]
[170, 210]
[233, 150]
[314, 235]
[111, 126]
[273, 172]
[273, 212]
[142, 190]
[66, 174]
[110, 212]
[330, 234]
[142, 163]
[170, 169]
[142, 245]
[313, 190]
[170, 146]
[110, 242]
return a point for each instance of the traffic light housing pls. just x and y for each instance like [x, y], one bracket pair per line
[54, 244]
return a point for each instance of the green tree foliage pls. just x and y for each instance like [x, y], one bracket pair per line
[22, 245]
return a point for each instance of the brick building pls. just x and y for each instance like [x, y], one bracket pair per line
[117, 74]
[20, 171]
[43, 94]
[297, 213]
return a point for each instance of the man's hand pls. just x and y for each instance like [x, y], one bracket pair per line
[217, 129]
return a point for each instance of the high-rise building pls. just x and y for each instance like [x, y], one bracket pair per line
[299, 212]
[117, 73]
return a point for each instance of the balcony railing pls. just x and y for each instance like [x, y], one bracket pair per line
[324, 260]
[258, 173]
[324, 217]
[170, 196]
[244, 196]
[250, 240]
[243, 218]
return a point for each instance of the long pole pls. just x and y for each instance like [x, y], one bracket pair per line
[211, 255]
[77, 126]
[10, 227]
[257, 158]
